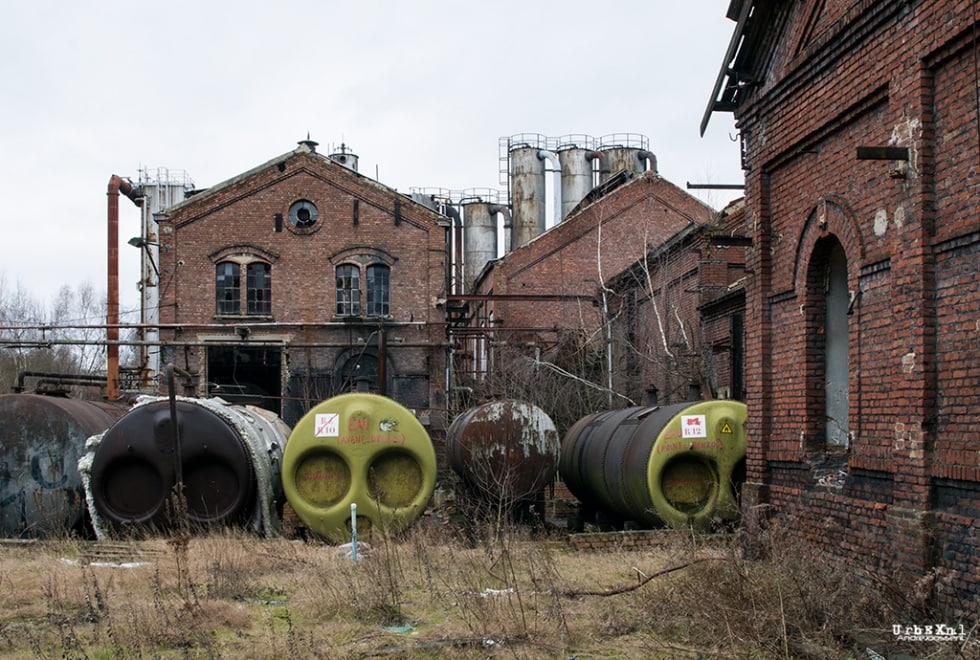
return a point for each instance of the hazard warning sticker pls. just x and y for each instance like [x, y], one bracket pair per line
[726, 428]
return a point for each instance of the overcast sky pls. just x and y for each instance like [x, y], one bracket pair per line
[421, 91]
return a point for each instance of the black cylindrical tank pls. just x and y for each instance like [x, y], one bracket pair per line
[677, 465]
[506, 450]
[42, 438]
[229, 465]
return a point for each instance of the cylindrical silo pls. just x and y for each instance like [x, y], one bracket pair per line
[577, 177]
[161, 190]
[226, 456]
[527, 193]
[42, 438]
[625, 151]
[678, 465]
[479, 239]
[631, 159]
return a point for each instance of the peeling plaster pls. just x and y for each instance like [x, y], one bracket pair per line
[907, 133]
[881, 222]
[908, 362]
[899, 217]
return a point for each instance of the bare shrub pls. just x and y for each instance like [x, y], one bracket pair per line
[424, 594]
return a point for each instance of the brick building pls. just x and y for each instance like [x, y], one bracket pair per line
[677, 315]
[301, 279]
[858, 121]
[544, 300]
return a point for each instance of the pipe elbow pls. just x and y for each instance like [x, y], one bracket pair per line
[505, 210]
[117, 185]
[650, 158]
[544, 154]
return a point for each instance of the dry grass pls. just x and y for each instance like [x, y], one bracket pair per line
[429, 595]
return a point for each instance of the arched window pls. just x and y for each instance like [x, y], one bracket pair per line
[378, 290]
[348, 290]
[228, 288]
[358, 371]
[259, 288]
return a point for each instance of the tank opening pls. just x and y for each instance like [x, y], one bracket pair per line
[688, 483]
[395, 479]
[133, 490]
[323, 479]
[212, 490]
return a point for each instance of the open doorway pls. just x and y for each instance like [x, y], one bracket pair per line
[242, 374]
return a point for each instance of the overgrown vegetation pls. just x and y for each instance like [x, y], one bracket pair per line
[429, 594]
[62, 337]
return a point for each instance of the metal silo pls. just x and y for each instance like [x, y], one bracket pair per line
[527, 188]
[161, 189]
[576, 155]
[625, 151]
[479, 239]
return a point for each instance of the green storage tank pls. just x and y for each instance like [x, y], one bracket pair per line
[362, 449]
[678, 465]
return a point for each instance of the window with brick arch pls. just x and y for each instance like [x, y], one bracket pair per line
[259, 288]
[228, 288]
[348, 290]
[257, 292]
[378, 290]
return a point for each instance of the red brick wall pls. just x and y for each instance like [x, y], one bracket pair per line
[359, 220]
[566, 263]
[849, 74]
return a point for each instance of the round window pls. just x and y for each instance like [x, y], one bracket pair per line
[303, 214]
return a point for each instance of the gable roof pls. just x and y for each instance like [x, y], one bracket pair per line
[304, 148]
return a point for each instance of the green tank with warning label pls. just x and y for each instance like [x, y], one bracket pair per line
[362, 449]
[679, 465]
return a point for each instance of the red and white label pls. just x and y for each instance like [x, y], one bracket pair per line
[327, 425]
[693, 426]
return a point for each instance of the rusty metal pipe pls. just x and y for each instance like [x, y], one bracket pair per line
[50, 376]
[116, 185]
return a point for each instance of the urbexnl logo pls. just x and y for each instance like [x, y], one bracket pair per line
[939, 632]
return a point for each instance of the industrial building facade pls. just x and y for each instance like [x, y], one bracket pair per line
[578, 301]
[301, 279]
[677, 315]
[858, 122]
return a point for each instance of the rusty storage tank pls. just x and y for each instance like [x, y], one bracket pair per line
[678, 465]
[227, 457]
[505, 450]
[42, 438]
[364, 449]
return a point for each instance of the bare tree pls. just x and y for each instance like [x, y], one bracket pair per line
[66, 337]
